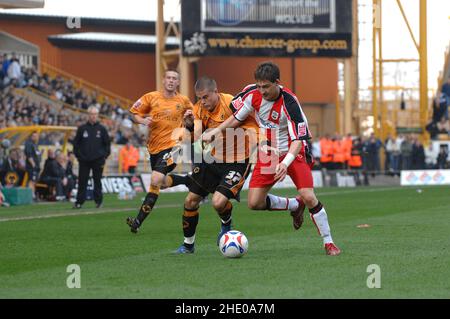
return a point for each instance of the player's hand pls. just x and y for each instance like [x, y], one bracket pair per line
[269, 149]
[188, 118]
[280, 172]
[147, 121]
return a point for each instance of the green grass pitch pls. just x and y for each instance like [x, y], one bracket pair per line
[408, 238]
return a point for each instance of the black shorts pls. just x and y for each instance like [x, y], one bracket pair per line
[225, 178]
[162, 162]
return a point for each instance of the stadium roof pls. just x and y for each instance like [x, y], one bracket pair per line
[118, 41]
[10, 4]
[49, 17]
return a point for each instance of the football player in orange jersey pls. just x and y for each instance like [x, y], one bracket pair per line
[224, 173]
[162, 111]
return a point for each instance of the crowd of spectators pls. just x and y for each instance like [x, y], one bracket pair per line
[17, 110]
[55, 179]
[404, 152]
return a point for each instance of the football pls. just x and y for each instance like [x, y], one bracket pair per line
[233, 244]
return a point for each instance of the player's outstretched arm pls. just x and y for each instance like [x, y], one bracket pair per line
[230, 122]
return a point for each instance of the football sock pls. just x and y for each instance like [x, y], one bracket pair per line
[225, 214]
[190, 221]
[175, 180]
[147, 205]
[280, 203]
[320, 219]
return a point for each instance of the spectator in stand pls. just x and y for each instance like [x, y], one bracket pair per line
[406, 151]
[417, 155]
[373, 150]
[440, 106]
[388, 153]
[443, 126]
[5, 65]
[442, 157]
[14, 74]
[392, 154]
[446, 90]
[431, 155]
[13, 170]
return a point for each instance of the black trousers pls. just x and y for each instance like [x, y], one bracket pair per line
[83, 176]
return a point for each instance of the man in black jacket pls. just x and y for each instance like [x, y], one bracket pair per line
[91, 146]
[54, 174]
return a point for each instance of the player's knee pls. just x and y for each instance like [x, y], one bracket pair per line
[219, 203]
[256, 205]
[191, 202]
[157, 180]
[308, 197]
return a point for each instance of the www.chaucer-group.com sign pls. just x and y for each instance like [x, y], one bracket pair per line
[267, 27]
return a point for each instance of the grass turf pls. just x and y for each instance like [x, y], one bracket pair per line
[408, 238]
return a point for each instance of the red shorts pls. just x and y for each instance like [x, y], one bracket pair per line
[299, 171]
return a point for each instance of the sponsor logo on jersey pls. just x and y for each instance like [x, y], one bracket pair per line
[302, 131]
[137, 104]
[238, 103]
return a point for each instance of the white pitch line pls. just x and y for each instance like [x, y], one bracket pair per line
[114, 210]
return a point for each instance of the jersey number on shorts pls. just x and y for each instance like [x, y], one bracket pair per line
[233, 177]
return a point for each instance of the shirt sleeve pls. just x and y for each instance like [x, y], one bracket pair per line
[242, 106]
[142, 106]
[297, 123]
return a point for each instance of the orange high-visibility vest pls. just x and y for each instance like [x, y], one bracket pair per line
[129, 157]
[347, 148]
[326, 149]
[355, 159]
[338, 152]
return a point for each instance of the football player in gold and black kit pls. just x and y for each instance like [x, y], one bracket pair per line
[162, 111]
[224, 173]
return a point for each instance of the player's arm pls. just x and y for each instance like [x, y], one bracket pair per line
[230, 122]
[281, 169]
[241, 110]
[143, 120]
[141, 109]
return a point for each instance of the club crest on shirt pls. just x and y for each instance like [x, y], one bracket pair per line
[85, 134]
[274, 115]
[98, 134]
